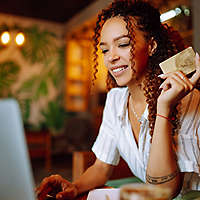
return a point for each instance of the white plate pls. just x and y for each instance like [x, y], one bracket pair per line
[103, 194]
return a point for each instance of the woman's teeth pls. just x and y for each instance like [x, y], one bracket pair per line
[118, 69]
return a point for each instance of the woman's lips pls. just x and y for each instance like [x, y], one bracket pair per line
[117, 71]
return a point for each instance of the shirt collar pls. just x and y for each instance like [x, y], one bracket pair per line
[123, 104]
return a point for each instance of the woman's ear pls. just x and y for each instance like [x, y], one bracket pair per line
[152, 46]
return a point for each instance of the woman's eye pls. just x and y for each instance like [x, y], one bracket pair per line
[124, 45]
[104, 51]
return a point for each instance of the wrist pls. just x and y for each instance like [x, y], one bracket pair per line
[165, 111]
[163, 107]
[170, 119]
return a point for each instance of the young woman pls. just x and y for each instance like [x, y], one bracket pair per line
[150, 119]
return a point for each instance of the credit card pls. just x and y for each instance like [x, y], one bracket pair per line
[183, 61]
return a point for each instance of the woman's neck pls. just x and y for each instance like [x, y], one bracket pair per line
[136, 102]
[136, 91]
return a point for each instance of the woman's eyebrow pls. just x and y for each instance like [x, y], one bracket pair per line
[115, 39]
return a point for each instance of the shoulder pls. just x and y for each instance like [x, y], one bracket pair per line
[192, 96]
[191, 103]
[189, 111]
[118, 93]
[116, 100]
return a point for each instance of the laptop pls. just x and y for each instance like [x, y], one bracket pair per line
[16, 178]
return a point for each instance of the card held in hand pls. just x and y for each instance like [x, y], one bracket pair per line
[183, 61]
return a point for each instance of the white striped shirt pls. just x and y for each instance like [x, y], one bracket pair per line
[116, 139]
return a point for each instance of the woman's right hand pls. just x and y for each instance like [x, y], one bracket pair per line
[58, 187]
[177, 85]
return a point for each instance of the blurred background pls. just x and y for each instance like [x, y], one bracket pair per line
[46, 64]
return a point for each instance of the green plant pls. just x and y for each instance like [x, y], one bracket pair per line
[40, 49]
[39, 44]
[54, 117]
[9, 71]
[37, 86]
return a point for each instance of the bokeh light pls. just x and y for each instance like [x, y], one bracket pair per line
[20, 39]
[5, 37]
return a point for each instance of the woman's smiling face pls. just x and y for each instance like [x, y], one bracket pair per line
[115, 45]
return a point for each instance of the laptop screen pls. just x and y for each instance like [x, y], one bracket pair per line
[16, 179]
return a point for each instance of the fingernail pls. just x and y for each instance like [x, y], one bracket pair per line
[197, 55]
[161, 86]
[161, 75]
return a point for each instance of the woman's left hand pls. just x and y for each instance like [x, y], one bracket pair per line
[177, 85]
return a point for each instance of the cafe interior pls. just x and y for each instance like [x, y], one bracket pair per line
[46, 64]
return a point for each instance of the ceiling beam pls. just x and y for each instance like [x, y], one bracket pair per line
[86, 14]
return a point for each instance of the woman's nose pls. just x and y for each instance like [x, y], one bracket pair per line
[113, 56]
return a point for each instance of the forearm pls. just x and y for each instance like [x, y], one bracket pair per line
[162, 166]
[93, 177]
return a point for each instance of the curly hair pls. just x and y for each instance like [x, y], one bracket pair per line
[169, 42]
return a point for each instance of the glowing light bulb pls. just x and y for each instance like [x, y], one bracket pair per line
[5, 37]
[178, 11]
[20, 39]
[170, 14]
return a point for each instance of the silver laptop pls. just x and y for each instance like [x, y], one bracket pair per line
[16, 178]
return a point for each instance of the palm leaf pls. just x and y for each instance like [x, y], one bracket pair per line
[8, 75]
[28, 85]
[39, 44]
[42, 89]
[57, 72]
[25, 105]
[55, 116]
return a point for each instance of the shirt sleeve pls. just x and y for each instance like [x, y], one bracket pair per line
[105, 146]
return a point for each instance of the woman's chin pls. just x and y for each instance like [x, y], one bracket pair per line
[121, 83]
[124, 80]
